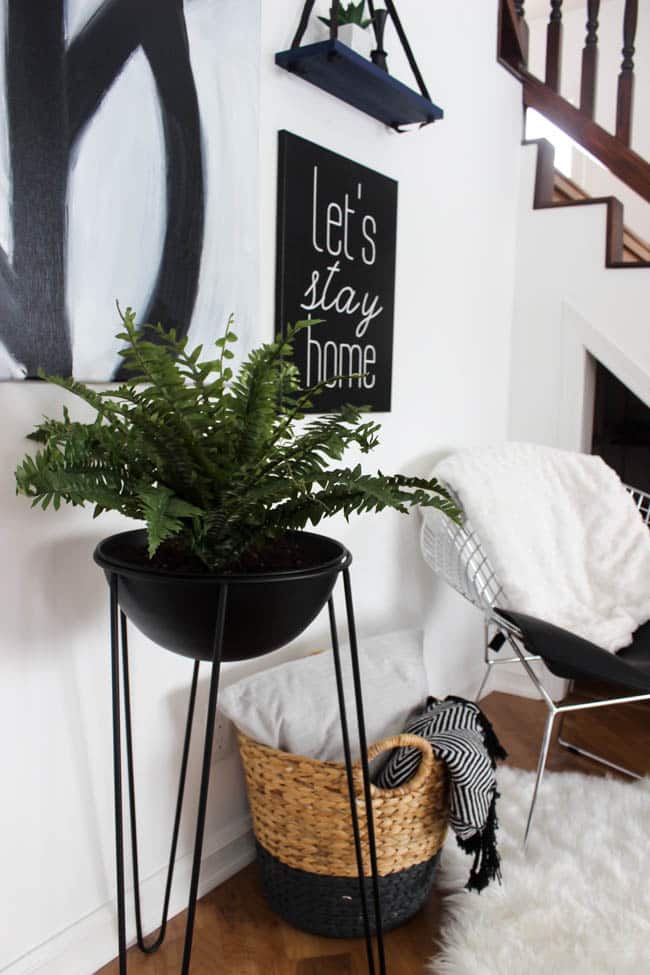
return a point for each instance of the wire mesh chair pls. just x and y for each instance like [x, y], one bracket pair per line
[455, 552]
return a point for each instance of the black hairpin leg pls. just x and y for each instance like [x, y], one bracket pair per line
[117, 769]
[128, 734]
[117, 777]
[353, 803]
[119, 630]
[363, 745]
[217, 650]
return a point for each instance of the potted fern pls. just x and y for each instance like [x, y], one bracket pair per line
[353, 27]
[225, 478]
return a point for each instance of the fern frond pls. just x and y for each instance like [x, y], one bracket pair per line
[164, 513]
[213, 458]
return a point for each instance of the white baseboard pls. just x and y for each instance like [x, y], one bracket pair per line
[513, 679]
[91, 942]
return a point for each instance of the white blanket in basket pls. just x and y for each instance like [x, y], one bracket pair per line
[563, 535]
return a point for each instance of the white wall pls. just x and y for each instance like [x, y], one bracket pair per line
[457, 184]
[456, 224]
[567, 301]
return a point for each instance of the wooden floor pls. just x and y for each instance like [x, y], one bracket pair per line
[237, 934]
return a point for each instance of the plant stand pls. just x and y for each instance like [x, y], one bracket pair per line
[120, 662]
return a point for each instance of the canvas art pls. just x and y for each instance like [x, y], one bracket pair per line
[125, 175]
[336, 245]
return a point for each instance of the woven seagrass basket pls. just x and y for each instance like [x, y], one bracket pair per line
[305, 843]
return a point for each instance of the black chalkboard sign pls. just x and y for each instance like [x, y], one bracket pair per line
[337, 224]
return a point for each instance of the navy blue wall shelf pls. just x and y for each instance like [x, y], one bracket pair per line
[342, 72]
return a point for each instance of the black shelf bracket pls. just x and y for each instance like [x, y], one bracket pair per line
[366, 85]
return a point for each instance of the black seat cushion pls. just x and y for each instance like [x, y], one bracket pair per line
[638, 652]
[569, 656]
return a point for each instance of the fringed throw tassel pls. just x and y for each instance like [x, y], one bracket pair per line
[483, 845]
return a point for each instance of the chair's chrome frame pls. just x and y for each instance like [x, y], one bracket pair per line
[456, 553]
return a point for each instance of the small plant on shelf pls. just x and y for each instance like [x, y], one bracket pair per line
[214, 462]
[353, 13]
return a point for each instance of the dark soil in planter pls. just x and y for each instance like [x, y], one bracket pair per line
[284, 554]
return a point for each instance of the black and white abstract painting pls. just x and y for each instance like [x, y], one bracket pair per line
[128, 171]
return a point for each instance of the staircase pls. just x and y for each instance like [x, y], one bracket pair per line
[566, 192]
[576, 299]
[623, 248]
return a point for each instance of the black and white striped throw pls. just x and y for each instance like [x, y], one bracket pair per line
[463, 738]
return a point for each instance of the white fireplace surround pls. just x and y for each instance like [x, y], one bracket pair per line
[582, 345]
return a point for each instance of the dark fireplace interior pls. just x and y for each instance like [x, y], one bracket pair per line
[621, 434]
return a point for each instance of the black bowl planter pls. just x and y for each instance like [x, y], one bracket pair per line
[265, 610]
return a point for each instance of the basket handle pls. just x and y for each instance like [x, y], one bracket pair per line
[404, 741]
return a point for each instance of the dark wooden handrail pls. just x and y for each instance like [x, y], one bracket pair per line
[611, 148]
[513, 34]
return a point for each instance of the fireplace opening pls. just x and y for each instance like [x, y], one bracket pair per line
[621, 429]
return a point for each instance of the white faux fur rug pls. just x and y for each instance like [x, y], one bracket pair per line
[577, 902]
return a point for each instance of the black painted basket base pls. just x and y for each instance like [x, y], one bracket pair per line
[331, 906]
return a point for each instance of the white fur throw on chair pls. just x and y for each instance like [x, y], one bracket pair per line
[562, 533]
